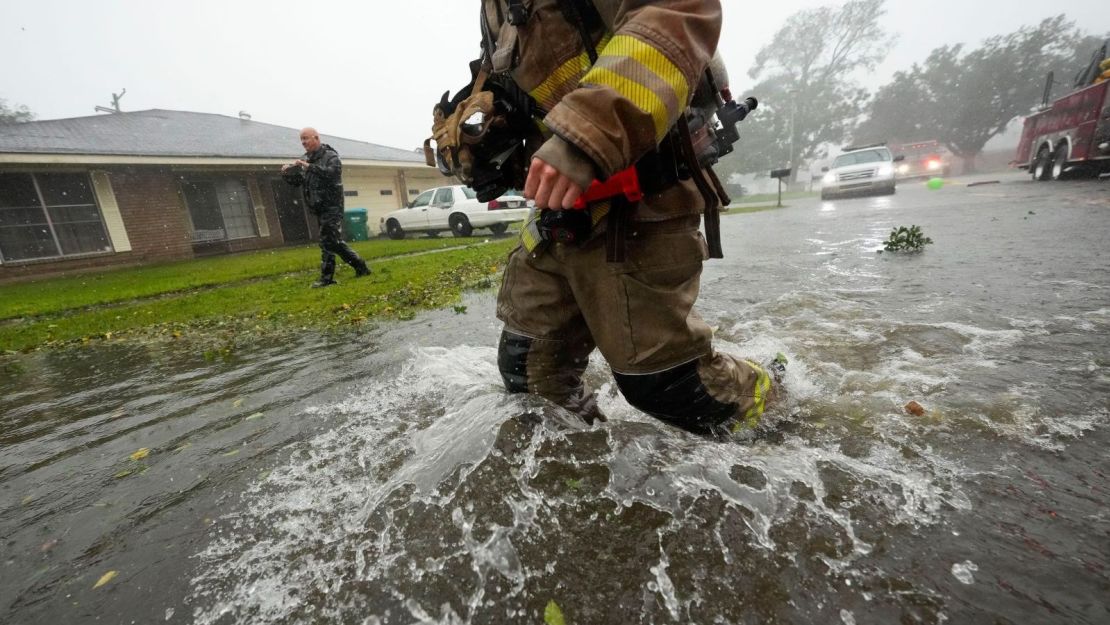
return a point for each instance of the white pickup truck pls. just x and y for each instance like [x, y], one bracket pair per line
[456, 209]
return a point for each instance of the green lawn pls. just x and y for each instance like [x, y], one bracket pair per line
[235, 298]
[773, 197]
[740, 209]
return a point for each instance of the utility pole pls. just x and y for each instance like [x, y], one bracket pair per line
[793, 93]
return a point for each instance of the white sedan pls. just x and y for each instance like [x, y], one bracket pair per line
[456, 209]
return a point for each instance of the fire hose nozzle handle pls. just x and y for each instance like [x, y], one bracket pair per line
[624, 182]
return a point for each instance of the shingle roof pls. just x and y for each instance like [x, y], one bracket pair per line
[159, 132]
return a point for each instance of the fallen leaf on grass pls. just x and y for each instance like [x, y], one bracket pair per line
[105, 578]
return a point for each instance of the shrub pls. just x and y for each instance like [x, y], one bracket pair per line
[905, 239]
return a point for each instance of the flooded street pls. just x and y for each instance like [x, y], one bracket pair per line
[387, 477]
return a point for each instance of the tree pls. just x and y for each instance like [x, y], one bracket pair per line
[963, 99]
[808, 96]
[14, 115]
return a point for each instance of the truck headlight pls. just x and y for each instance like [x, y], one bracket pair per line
[829, 178]
[886, 169]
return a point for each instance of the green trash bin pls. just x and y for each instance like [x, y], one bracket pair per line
[354, 224]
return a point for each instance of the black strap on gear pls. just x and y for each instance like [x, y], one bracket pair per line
[616, 229]
[518, 13]
[583, 15]
[708, 194]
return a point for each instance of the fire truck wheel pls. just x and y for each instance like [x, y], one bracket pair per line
[1042, 165]
[1060, 162]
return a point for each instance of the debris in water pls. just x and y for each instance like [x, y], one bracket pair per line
[140, 454]
[983, 182]
[552, 615]
[105, 578]
[915, 409]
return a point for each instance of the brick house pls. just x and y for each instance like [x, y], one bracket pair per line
[158, 185]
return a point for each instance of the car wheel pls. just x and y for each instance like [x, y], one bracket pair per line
[393, 229]
[1042, 165]
[460, 226]
[1059, 162]
[499, 228]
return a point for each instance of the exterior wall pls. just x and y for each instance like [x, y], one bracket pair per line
[158, 226]
[157, 221]
[153, 213]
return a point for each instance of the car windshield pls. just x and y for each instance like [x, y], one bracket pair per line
[469, 193]
[861, 157]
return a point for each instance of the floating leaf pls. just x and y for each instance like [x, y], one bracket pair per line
[105, 578]
[257, 415]
[140, 454]
[123, 473]
[230, 453]
[237, 402]
[552, 615]
[26, 500]
[573, 484]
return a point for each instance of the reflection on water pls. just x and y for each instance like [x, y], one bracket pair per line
[390, 479]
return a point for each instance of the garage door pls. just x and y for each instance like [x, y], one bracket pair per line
[374, 191]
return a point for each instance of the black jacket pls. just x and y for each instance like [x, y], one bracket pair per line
[322, 182]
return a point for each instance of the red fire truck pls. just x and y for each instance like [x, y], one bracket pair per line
[1070, 136]
[923, 158]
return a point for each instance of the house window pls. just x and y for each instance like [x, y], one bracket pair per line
[220, 208]
[414, 191]
[350, 193]
[386, 192]
[46, 215]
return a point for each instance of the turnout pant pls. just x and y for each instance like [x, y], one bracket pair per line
[332, 245]
[562, 302]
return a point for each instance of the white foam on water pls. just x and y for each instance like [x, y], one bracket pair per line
[420, 435]
[313, 501]
[964, 572]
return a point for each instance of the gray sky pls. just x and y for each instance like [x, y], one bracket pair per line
[358, 69]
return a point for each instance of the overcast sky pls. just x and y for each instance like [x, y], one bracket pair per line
[364, 70]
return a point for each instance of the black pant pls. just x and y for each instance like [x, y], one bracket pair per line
[331, 244]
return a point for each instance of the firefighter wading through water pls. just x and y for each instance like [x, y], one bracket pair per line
[320, 174]
[603, 86]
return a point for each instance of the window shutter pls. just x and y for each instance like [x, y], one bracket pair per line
[259, 208]
[113, 220]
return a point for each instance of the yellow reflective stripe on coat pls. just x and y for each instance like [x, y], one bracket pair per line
[643, 75]
[565, 78]
[762, 389]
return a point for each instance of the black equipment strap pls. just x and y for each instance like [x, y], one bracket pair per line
[616, 230]
[709, 196]
[584, 16]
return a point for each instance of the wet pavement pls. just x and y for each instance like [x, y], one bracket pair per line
[386, 477]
